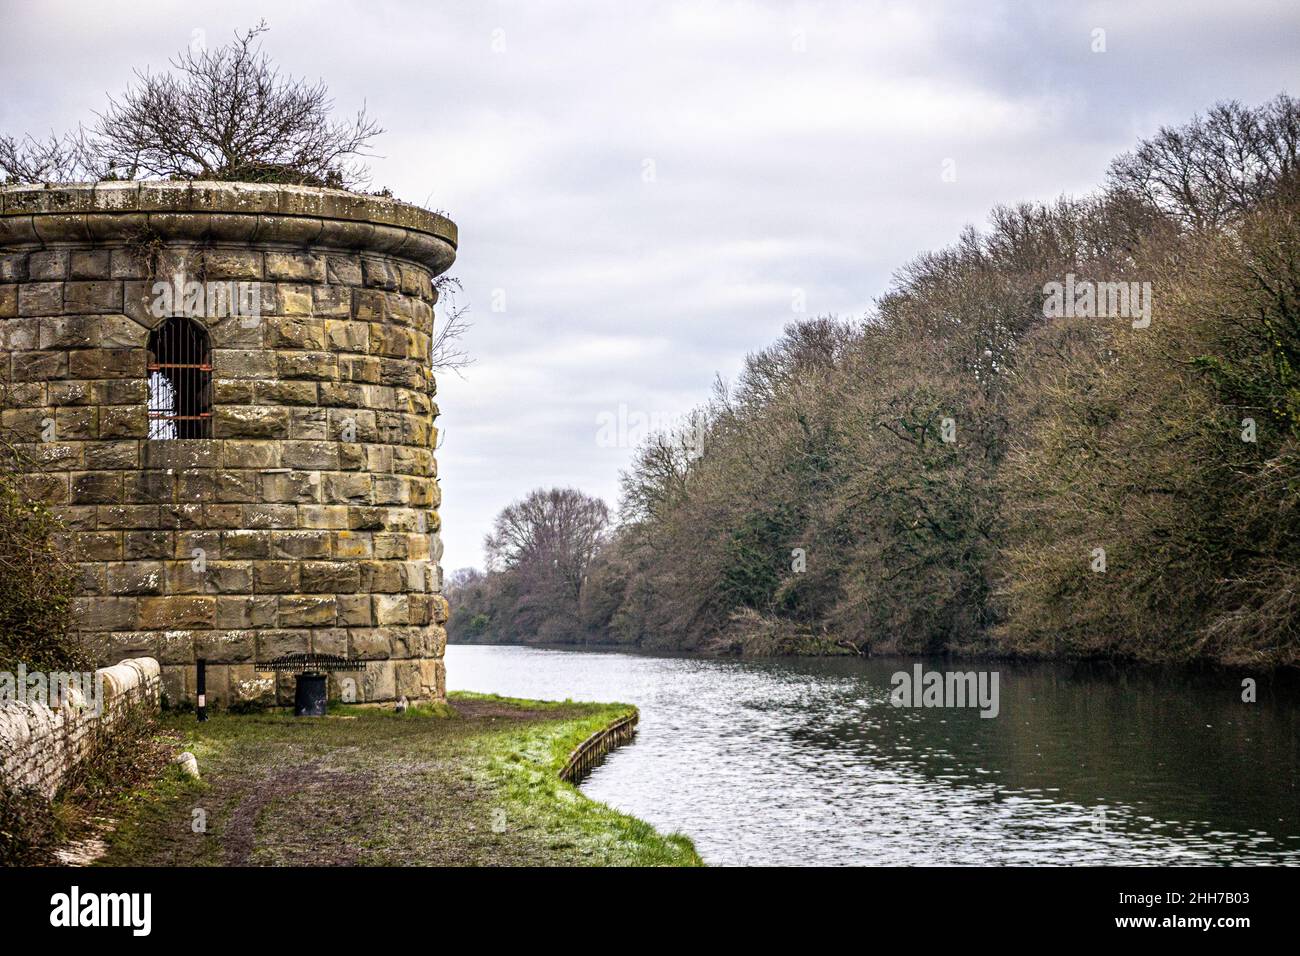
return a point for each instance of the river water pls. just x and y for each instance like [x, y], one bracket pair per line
[805, 760]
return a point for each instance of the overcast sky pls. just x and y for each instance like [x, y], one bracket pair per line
[645, 190]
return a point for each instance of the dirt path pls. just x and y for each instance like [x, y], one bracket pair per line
[371, 787]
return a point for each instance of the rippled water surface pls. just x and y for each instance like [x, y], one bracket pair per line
[805, 760]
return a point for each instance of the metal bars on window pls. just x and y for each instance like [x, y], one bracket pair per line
[180, 380]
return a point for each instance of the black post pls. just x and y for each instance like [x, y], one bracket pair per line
[202, 689]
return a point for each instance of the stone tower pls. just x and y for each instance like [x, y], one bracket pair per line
[225, 391]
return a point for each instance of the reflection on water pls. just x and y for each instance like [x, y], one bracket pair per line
[804, 761]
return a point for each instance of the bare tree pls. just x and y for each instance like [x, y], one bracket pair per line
[538, 556]
[58, 159]
[228, 114]
[1211, 169]
[225, 113]
[446, 351]
[560, 526]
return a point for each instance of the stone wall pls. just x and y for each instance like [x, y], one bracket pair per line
[308, 521]
[40, 745]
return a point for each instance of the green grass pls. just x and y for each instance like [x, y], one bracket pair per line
[470, 782]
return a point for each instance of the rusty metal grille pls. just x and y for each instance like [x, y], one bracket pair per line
[310, 663]
[180, 380]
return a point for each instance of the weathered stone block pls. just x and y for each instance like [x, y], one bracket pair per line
[141, 303]
[96, 487]
[180, 577]
[104, 614]
[141, 545]
[135, 577]
[285, 393]
[107, 363]
[20, 336]
[105, 296]
[177, 613]
[370, 643]
[124, 392]
[40, 298]
[293, 332]
[352, 456]
[243, 363]
[48, 265]
[97, 546]
[275, 577]
[348, 336]
[128, 516]
[310, 455]
[231, 646]
[250, 454]
[417, 679]
[354, 610]
[191, 453]
[229, 577]
[251, 421]
[376, 273]
[332, 517]
[13, 267]
[378, 682]
[308, 424]
[331, 640]
[206, 543]
[349, 488]
[305, 610]
[321, 366]
[290, 486]
[236, 332]
[382, 577]
[90, 264]
[269, 516]
[246, 612]
[295, 266]
[118, 331]
[123, 422]
[293, 300]
[233, 391]
[332, 300]
[392, 609]
[75, 424]
[249, 688]
[173, 685]
[176, 646]
[329, 577]
[70, 332]
[232, 264]
[150, 487]
[245, 545]
[239, 486]
[352, 544]
[127, 264]
[277, 643]
[441, 610]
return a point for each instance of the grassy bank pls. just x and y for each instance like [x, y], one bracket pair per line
[471, 782]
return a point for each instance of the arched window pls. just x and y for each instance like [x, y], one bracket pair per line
[180, 380]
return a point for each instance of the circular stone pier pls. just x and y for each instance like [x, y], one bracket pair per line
[225, 392]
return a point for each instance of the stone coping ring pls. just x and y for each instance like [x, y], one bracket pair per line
[222, 212]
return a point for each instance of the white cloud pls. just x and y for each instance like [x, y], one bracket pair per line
[777, 169]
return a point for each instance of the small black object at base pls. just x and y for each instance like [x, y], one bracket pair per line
[201, 689]
[310, 695]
